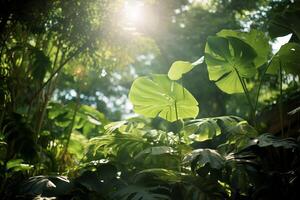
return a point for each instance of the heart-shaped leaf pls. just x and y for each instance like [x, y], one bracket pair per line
[229, 59]
[157, 95]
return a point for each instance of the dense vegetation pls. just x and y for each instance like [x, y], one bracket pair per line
[212, 110]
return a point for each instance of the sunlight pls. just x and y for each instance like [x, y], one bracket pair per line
[133, 14]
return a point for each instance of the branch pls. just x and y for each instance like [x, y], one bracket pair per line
[78, 51]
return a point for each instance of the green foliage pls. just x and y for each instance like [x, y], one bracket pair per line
[157, 95]
[87, 118]
[201, 157]
[178, 68]
[207, 128]
[256, 39]
[288, 58]
[112, 144]
[285, 21]
[18, 165]
[228, 61]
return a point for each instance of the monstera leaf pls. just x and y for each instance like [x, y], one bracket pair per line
[201, 157]
[229, 60]
[179, 68]
[157, 95]
[288, 57]
[256, 39]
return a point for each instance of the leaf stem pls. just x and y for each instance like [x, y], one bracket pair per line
[259, 87]
[179, 135]
[182, 87]
[72, 55]
[260, 83]
[246, 92]
[280, 99]
[177, 119]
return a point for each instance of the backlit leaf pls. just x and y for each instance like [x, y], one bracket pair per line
[157, 95]
[226, 58]
[256, 39]
[179, 68]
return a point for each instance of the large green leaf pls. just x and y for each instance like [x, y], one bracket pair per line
[179, 68]
[288, 57]
[227, 59]
[157, 95]
[256, 39]
[201, 157]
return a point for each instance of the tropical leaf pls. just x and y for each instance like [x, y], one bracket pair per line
[130, 143]
[239, 136]
[178, 68]
[92, 115]
[88, 119]
[18, 165]
[288, 57]
[111, 127]
[207, 128]
[78, 144]
[157, 95]
[155, 151]
[201, 157]
[256, 39]
[167, 175]
[229, 60]
[160, 137]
